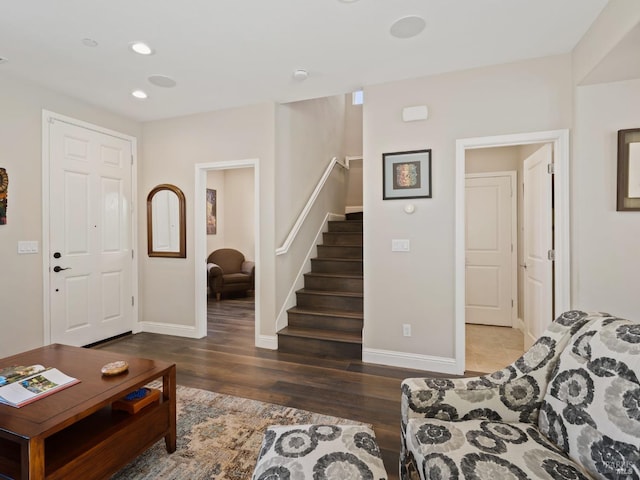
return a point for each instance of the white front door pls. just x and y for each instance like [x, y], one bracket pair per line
[90, 257]
[538, 241]
[489, 249]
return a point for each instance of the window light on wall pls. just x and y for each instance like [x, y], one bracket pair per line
[357, 97]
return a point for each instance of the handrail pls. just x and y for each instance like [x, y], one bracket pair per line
[307, 208]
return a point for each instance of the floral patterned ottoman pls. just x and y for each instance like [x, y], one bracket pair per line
[331, 452]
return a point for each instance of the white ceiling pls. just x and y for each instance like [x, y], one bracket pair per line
[226, 53]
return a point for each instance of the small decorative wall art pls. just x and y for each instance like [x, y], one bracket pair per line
[406, 174]
[211, 212]
[628, 170]
[4, 187]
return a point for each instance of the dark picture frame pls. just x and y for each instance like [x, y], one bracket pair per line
[212, 217]
[406, 174]
[628, 170]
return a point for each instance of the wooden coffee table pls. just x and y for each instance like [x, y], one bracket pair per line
[74, 433]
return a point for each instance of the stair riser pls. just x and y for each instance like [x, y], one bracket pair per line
[339, 251]
[333, 284]
[342, 324]
[318, 348]
[320, 265]
[309, 301]
[331, 238]
[345, 226]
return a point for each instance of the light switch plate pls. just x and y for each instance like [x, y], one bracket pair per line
[27, 246]
[400, 245]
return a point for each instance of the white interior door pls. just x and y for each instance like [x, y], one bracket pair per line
[538, 241]
[489, 249]
[90, 235]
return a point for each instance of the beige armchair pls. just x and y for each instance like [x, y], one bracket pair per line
[228, 271]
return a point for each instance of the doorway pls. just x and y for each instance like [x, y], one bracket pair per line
[558, 141]
[201, 244]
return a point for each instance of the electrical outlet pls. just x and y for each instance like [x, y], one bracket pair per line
[406, 329]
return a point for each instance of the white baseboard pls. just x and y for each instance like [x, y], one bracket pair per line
[410, 360]
[187, 331]
[267, 341]
[519, 324]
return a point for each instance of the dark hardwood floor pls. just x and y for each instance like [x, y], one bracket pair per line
[227, 361]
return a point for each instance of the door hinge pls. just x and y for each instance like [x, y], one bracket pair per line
[132, 159]
[551, 168]
[512, 303]
[131, 254]
[551, 255]
[132, 302]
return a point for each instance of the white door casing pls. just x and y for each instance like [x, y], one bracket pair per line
[88, 208]
[538, 241]
[200, 248]
[490, 248]
[561, 273]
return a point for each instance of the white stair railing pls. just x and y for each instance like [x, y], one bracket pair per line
[307, 208]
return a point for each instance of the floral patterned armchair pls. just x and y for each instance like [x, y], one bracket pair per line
[569, 408]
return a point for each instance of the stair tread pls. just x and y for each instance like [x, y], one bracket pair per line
[327, 312]
[331, 293]
[337, 259]
[333, 275]
[323, 334]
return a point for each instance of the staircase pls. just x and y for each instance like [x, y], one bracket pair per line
[327, 320]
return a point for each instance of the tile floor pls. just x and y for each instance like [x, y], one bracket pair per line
[491, 348]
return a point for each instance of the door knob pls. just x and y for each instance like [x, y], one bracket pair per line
[59, 269]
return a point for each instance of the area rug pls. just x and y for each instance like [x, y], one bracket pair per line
[219, 437]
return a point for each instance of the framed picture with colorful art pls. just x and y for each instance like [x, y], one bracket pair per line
[406, 174]
[4, 188]
[212, 218]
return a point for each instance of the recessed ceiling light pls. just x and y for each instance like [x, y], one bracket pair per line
[162, 81]
[407, 27]
[141, 48]
[140, 94]
[89, 42]
[300, 74]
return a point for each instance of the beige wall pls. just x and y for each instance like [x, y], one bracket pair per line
[235, 210]
[238, 204]
[353, 128]
[309, 134]
[353, 148]
[354, 184]
[522, 97]
[605, 245]
[614, 22]
[172, 149]
[21, 105]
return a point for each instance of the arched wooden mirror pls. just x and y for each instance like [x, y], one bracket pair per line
[166, 224]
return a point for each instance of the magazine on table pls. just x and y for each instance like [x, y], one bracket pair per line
[22, 385]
